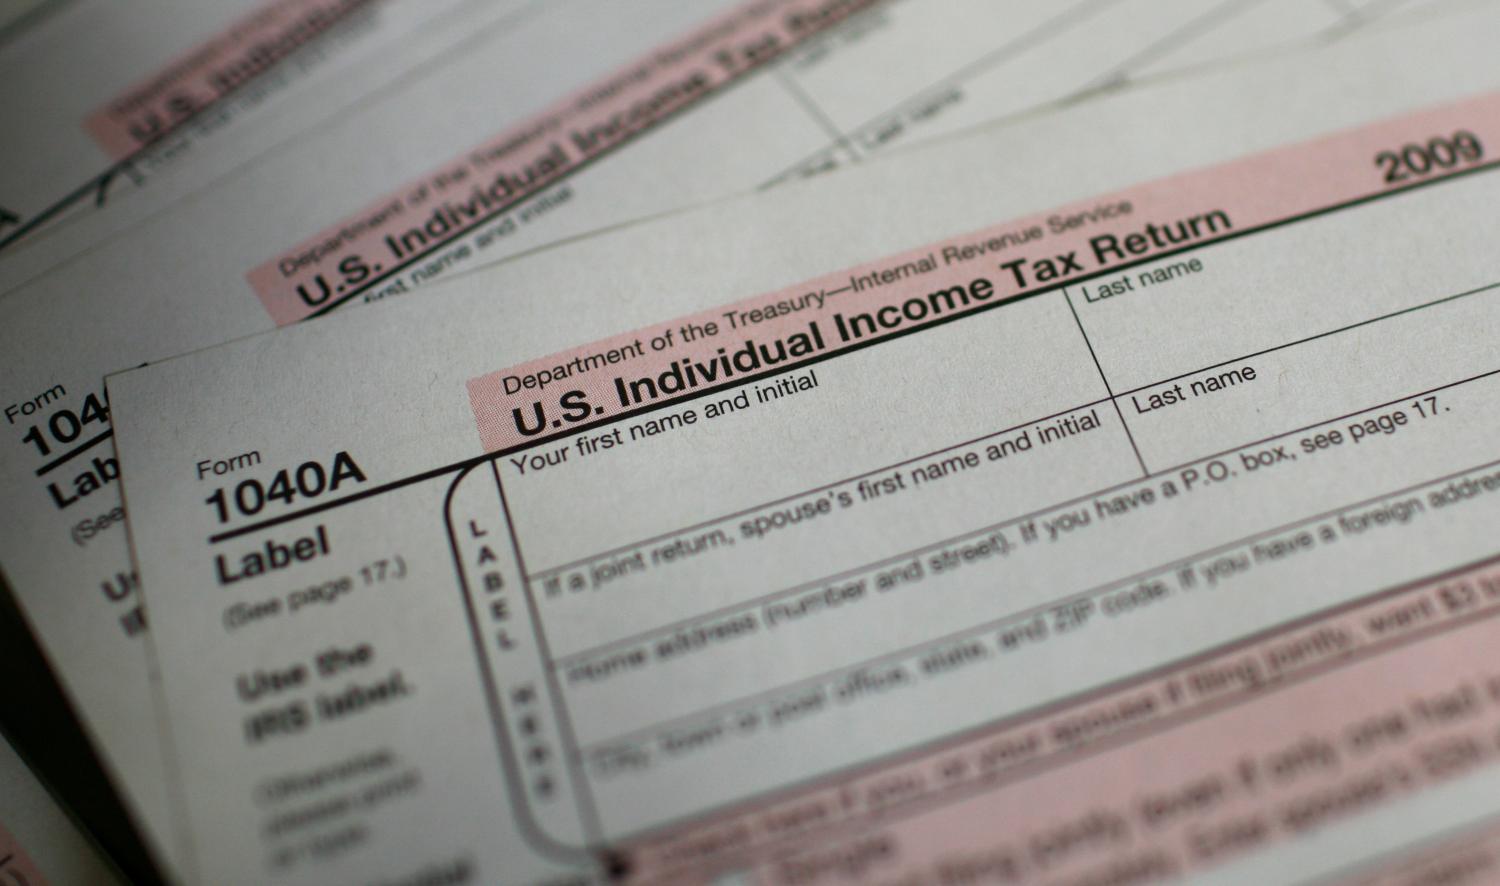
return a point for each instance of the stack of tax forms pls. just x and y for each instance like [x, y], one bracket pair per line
[835, 441]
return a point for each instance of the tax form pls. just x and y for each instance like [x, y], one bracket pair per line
[1098, 502]
[728, 97]
[101, 98]
[911, 70]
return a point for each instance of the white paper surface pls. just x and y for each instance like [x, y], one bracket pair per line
[175, 280]
[963, 63]
[801, 637]
[207, 85]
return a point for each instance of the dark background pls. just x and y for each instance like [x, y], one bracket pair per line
[38, 721]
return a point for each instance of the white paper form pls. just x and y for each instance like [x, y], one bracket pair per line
[927, 69]
[931, 522]
[726, 97]
[143, 289]
[101, 98]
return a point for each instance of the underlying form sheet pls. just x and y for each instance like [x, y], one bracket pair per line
[1140, 535]
[909, 70]
[102, 97]
[725, 98]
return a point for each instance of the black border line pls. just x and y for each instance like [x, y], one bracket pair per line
[76, 451]
[530, 829]
[583, 789]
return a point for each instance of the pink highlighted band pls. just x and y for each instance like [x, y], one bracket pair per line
[1230, 752]
[346, 257]
[636, 371]
[201, 77]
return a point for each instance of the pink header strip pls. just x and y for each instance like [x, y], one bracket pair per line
[1254, 743]
[636, 371]
[494, 177]
[155, 107]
